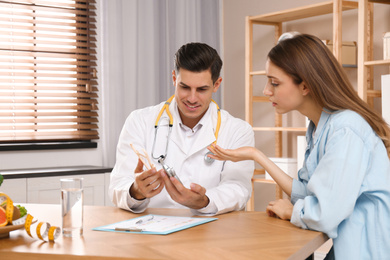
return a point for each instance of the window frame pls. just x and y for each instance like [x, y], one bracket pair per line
[84, 93]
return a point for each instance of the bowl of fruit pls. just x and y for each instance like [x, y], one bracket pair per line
[18, 219]
[8, 209]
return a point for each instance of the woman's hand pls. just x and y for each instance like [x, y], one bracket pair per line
[239, 154]
[282, 208]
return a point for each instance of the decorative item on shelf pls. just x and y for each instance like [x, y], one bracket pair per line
[386, 96]
[386, 46]
[288, 165]
[288, 35]
[348, 52]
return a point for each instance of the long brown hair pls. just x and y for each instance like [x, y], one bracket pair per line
[306, 59]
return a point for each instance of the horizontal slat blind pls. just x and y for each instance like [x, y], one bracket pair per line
[48, 85]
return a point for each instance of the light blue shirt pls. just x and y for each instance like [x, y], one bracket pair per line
[343, 188]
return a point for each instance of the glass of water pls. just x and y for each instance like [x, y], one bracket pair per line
[72, 197]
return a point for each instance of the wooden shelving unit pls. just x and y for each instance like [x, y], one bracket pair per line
[276, 19]
[365, 50]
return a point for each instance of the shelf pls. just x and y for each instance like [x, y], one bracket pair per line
[379, 1]
[261, 178]
[276, 20]
[280, 129]
[302, 12]
[259, 172]
[254, 73]
[260, 99]
[377, 62]
[374, 93]
[365, 51]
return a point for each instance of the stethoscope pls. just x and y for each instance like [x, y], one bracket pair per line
[165, 107]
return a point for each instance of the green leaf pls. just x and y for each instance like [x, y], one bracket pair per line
[23, 210]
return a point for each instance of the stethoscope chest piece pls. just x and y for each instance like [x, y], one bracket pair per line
[207, 159]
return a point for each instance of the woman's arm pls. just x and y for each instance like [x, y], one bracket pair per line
[251, 153]
[279, 176]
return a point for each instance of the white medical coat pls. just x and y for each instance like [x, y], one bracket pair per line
[228, 184]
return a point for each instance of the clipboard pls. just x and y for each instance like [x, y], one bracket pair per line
[154, 224]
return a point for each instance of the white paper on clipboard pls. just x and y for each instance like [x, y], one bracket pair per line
[155, 224]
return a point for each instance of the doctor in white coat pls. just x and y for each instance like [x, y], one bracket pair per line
[204, 186]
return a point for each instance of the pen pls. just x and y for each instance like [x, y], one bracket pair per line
[131, 229]
[144, 221]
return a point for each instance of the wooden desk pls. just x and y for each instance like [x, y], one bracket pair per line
[236, 235]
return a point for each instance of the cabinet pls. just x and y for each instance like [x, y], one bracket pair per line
[47, 189]
[42, 185]
[16, 189]
[276, 19]
[365, 51]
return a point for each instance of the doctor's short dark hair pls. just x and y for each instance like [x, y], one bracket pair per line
[197, 57]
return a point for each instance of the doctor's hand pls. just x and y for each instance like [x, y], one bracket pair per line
[194, 198]
[147, 183]
[281, 208]
[235, 155]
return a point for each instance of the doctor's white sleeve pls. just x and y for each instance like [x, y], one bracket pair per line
[122, 176]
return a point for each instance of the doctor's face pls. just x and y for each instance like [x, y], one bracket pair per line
[193, 94]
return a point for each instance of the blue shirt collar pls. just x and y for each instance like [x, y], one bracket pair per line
[325, 115]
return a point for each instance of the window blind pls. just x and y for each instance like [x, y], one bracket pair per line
[48, 85]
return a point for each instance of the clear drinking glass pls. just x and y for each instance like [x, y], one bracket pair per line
[72, 200]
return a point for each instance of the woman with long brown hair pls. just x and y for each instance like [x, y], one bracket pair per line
[343, 188]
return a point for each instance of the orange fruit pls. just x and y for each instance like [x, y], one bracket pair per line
[3, 217]
[16, 214]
